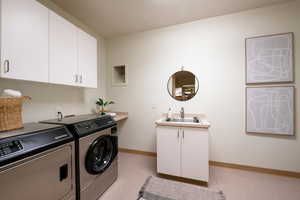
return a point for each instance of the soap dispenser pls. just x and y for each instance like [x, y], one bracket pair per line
[169, 115]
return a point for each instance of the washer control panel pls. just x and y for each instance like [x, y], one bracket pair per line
[10, 147]
[91, 126]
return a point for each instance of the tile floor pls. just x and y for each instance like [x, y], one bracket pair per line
[236, 184]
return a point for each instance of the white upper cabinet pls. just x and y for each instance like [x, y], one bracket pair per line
[24, 40]
[39, 45]
[87, 60]
[63, 62]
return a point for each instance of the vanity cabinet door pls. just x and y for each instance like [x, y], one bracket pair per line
[194, 152]
[24, 40]
[168, 150]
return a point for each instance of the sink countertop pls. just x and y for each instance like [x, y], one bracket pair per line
[120, 116]
[203, 123]
[70, 120]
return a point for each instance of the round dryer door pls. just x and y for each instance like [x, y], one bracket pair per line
[100, 155]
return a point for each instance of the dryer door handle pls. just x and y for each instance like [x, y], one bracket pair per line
[63, 172]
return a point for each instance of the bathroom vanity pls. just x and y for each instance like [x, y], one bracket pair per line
[183, 148]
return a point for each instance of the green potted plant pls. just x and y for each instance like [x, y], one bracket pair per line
[102, 104]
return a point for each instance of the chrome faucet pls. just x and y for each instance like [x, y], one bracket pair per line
[182, 113]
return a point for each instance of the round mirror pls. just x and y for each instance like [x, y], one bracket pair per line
[183, 85]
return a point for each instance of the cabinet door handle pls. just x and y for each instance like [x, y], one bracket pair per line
[6, 66]
[80, 78]
[178, 133]
[182, 134]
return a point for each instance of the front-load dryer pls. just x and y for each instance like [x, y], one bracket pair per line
[37, 162]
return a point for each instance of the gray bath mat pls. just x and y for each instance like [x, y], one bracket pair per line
[161, 189]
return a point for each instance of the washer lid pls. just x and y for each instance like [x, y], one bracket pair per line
[21, 146]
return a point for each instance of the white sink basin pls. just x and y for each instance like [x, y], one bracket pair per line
[185, 122]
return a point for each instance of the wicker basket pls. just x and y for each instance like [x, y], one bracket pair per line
[11, 113]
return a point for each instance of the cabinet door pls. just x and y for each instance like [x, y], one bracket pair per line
[168, 150]
[87, 59]
[194, 152]
[62, 51]
[24, 40]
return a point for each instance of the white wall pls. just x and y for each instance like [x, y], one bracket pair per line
[213, 49]
[47, 98]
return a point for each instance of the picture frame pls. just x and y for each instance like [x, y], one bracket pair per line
[270, 110]
[269, 59]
